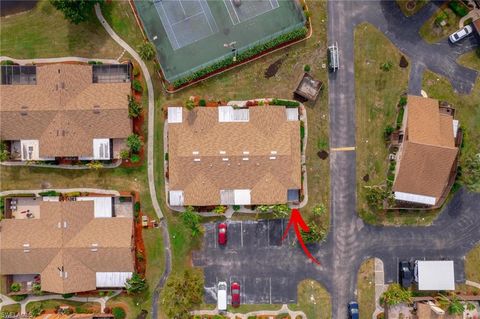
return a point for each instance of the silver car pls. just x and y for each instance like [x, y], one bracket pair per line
[460, 34]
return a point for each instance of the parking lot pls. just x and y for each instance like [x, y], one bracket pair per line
[255, 256]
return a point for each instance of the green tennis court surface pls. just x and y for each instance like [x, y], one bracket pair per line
[191, 34]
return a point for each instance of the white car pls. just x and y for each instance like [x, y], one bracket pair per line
[460, 34]
[222, 296]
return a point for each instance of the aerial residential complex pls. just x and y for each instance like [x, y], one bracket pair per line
[65, 111]
[427, 158]
[67, 245]
[233, 156]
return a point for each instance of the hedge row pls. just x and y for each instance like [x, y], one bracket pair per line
[287, 37]
[286, 103]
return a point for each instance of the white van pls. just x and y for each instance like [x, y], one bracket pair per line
[222, 296]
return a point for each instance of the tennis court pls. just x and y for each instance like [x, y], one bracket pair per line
[191, 34]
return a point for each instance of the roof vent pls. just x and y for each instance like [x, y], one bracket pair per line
[26, 250]
[273, 157]
[195, 153]
[245, 159]
[24, 110]
[223, 152]
[94, 247]
[96, 109]
[196, 160]
[246, 152]
[225, 159]
[26, 245]
[273, 152]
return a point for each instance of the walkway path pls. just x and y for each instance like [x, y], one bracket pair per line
[150, 162]
[380, 286]
[57, 60]
[273, 313]
[61, 190]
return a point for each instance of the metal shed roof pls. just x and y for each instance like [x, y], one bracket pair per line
[435, 275]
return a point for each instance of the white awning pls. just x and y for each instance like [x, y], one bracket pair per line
[242, 197]
[112, 279]
[102, 206]
[176, 198]
[101, 148]
[229, 114]
[292, 113]
[415, 198]
[175, 114]
[435, 275]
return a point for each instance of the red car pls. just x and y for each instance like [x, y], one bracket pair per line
[222, 233]
[235, 291]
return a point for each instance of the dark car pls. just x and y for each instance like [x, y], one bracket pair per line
[353, 310]
[406, 275]
[235, 291]
[222, 233]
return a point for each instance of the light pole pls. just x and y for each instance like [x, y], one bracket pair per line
[234, 49]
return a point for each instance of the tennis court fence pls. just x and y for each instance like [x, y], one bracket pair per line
[238, 51]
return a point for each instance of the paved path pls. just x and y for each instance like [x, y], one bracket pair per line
[60, 190]
[150, 162]
[283, 310]
[57, 60]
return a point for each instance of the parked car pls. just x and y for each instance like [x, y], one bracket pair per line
[460, 34]
[406, 275]
[222, 296]
[222, 233]
[235, 291]
[353, 310]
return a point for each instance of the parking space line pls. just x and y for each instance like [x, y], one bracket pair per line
[270, 279]
[215, 237]
[268, 233]
[241, 232]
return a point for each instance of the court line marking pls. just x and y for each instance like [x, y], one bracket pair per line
[235, 10]
[169, 23]
[270, 278]
[181, 21]
[183, 9]
[226, 7]
[339, 149]
[202, 2]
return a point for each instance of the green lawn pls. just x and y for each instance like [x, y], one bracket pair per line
[314, 300]
[377, 93]
[470, 60]
[408, 11]
[432, 32]
[366, 289]
[43, 32]
[15, 308]
[467, 112]
[472, 263]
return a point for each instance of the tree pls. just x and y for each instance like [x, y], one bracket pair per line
[134, 108]
[453, 304]
[182, 293]
[134, 143]
[146, 51]
[192, 220]
[395, 294]
[471, 172]
[118, 313]
[75, 10]
[15, 287]
[36, 310]
[387, 132]
[281, 210]
[4, 153]
[135, 284]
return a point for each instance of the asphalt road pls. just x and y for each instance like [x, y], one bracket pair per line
[269, 271]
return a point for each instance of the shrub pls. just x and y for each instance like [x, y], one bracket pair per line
[191, 220]
[124, 154]
[395, 294]
[202, 102]
[458, 8]
[118, 313]
[302, 131]
[306, 68]
[76, 11]
[36, 310]
[403, 101]
[236, 208]
[7, 62]
[134, 108]
[387, 132]
[315, 235]
[286, 103]
[4, 153]
[135, 158]
[281, 210]
[15, 287]
[400, 117]
[19, 297]
[471, 172]
[134, 143]
[94, 165]
[37, 288]
[135, 284]
[245, 55]
[189, 104]
[146, 51]
[166, 156]
[319, 210]
[136, 208]
[136, 71]
[137, 86]
[220, 209]
[66, 296]
[50, 193]
[386, 66]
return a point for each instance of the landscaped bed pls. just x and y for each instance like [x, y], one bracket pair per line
[440, 25]
[410, 7]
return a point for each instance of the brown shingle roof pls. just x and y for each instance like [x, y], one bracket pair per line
[267, 130]
[51, 247]
[428, 153]
[59, 110]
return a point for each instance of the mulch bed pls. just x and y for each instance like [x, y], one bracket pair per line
[273, 68]
[140, 265]
[403, 62]
[323, 154]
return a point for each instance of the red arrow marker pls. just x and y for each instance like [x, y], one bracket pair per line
[297, 220]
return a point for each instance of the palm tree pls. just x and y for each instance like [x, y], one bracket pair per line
[454, 304]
